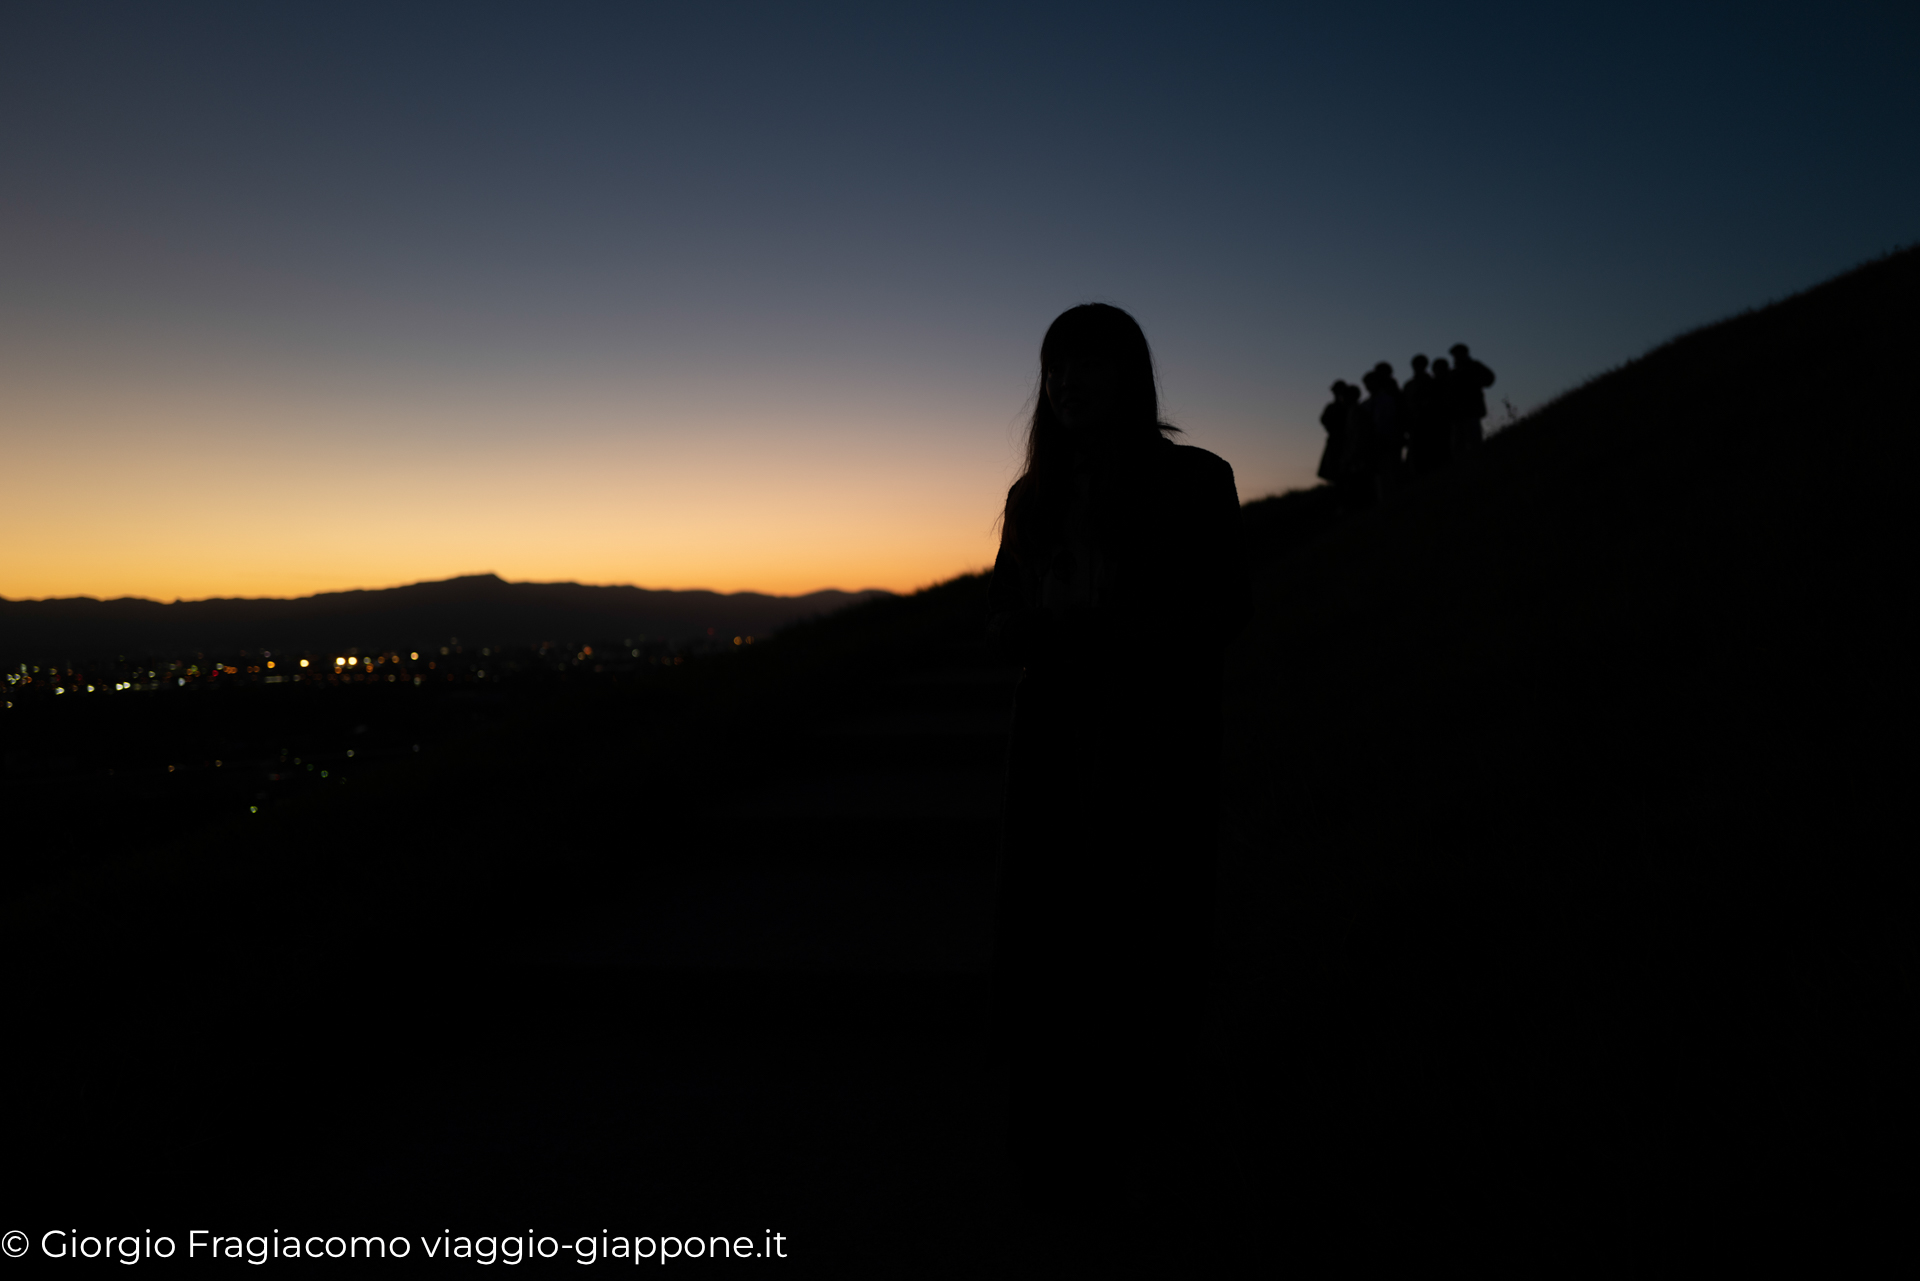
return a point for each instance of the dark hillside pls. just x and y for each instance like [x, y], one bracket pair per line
[1562, 800]
[686, 946]
[480, 609]
[1565, 789]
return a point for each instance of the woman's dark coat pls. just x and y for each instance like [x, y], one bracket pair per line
[1118, 608]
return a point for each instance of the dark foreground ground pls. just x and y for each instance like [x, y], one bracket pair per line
[514, 983]
[649, 957]
[713, 960]
[656, 957]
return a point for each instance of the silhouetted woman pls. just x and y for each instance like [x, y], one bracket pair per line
[1118, 578]
[1333, 420]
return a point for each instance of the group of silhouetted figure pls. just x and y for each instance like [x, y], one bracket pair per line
[1401, 430]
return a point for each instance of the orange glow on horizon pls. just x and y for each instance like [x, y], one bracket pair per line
[262, 585]
[190, 494]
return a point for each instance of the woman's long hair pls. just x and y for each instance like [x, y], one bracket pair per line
[1093, 329]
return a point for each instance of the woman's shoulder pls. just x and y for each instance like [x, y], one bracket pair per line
[1193, 465]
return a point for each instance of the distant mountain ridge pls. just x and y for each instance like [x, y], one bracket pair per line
[478, 609]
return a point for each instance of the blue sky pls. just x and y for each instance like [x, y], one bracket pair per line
[302, 297]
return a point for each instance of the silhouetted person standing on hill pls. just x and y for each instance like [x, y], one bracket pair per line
[1426, 428]
[1446, 408]
[1333, 419]
[1119, 575]
[1470, 382]
[1383, 424]
[1356, 455]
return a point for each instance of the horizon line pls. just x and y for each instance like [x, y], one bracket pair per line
[434, 582]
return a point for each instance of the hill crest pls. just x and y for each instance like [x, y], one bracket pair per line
[476, 608]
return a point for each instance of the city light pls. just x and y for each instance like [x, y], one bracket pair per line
[200, 672]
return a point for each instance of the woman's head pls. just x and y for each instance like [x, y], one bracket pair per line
[1097, 393]
[1096, 375]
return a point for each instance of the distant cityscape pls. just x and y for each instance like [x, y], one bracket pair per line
[451, 663]
[429, 631]
[209, 741]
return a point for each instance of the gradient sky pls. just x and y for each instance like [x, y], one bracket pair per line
[301, 297]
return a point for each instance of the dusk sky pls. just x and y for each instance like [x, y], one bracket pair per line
[296, 298]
